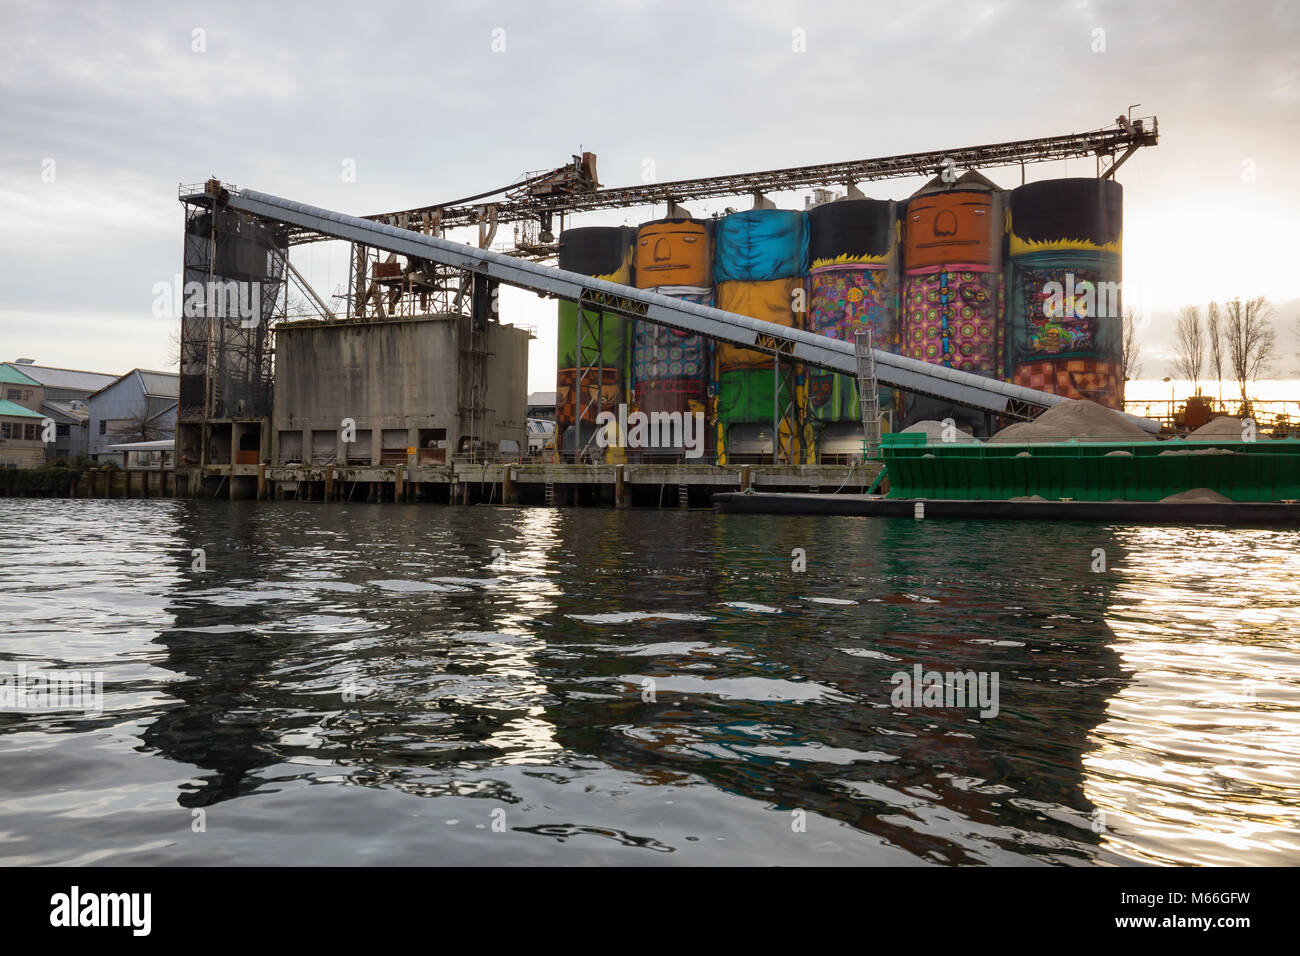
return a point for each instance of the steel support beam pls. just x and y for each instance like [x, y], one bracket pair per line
[895, 371]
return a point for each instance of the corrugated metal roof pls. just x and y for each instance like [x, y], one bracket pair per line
[160, 384]
[66, 377]
[14, 410]
[170, 410]
[12, 376]
[68, 410]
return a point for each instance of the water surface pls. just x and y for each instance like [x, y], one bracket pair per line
[360, 684]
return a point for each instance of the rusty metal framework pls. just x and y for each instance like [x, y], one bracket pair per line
[234, 273]
[537, 200]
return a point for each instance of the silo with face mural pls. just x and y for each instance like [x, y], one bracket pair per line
[760, 262]
[852, 286]
[951, 310]
[1065, 327]
[670, 369]
[597, 346]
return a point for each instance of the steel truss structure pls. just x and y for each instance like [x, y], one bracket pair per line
[1111, 146]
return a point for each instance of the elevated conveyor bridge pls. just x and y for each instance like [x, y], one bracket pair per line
[785, 344]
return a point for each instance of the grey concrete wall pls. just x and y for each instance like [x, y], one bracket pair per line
[507, 388]
[396, 376]
[383, 375]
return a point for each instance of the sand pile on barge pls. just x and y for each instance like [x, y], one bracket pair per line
[1074, 420]
[1195, 496]
[1225, 426]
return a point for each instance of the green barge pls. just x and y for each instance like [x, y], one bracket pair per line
[1234, 482]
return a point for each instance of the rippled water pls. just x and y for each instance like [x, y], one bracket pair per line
[363, 684]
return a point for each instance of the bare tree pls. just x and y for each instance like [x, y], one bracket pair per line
[1214, 335]
[174, 346]
[1251, 341]
[1132, 363]
[140, 426]
[1189, 346]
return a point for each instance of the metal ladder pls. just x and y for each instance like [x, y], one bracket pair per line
[868, 393]
[550, 494]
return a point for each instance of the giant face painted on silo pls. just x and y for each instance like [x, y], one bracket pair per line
[953, 227]
[673, 252]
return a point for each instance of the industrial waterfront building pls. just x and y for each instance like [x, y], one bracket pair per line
[137, 406]
[754, 320]
[60, 394]
[21, 445]
[414, 389]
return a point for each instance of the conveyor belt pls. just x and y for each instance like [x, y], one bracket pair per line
[894, 371]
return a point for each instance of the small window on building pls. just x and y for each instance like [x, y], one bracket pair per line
[291, 447]
[15, 395]
[358, 451]
[62, 431]
[324, 446]
[4, 430]
[103, 426]
[29, 433]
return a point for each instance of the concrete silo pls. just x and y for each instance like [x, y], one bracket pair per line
[852, 285]
[1065, 326]
[670, 370]
[596, 346]
[759, 266]
[952, 284]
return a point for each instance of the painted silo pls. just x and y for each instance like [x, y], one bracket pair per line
[670, 369]
[606, 253]
[1065, 328]
[952, 282]
[852, 285]
[760, 262]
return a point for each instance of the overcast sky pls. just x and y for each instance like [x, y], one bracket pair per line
[105, 108]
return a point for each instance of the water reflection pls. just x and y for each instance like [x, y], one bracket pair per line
[331, 660]
[788, 699]
[1197, 761]
[365, 653]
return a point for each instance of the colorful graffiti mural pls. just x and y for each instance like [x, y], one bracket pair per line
[670, 369]
[760, 245]
[952, 302]
[674, 252]
[1064, 310]
[772, 301]
[951, 318]
[605, 252]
